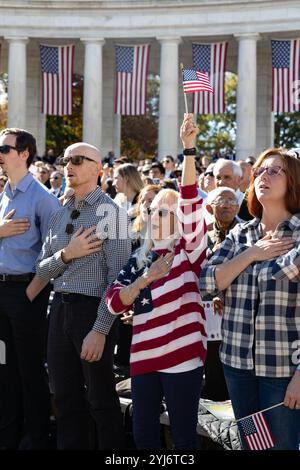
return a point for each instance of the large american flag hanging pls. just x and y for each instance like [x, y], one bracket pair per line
[131, 79]
[211, 59]
[286, 76]
[57, 63]
[256, 432]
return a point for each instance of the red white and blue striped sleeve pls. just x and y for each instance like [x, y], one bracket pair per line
[124, 279]
[192, 226]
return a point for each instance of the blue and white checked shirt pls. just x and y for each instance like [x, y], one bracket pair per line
[261, 319]
[92, 274]
[33, 201]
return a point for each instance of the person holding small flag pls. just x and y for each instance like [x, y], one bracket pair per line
[257, 268]
[160, 284]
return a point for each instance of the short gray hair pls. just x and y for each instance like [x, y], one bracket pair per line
[215, 193]
[237, 170]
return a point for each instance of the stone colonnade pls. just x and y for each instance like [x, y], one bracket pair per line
[97, 78]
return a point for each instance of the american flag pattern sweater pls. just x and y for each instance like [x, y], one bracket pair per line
[169, 321]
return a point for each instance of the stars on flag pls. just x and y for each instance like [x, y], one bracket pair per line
[193, 81]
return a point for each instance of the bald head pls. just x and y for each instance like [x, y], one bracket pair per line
[86, 150]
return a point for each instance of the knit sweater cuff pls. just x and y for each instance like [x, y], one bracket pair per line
[188, 192]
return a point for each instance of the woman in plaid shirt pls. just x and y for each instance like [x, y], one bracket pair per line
[257, 268]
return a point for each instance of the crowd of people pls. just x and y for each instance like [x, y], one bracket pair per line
[182, 274]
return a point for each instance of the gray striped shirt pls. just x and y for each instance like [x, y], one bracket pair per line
[89, 275]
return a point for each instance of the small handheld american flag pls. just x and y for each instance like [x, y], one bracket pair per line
[194, 81]
[256, 432]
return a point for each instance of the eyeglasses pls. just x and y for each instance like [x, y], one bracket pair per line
[208, 173]
[5, 149]
[161, 212]
[271, 170]
[55, 178]
[75, 159]
[70, 227]
[224, 202]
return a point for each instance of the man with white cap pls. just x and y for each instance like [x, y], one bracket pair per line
[82, 335]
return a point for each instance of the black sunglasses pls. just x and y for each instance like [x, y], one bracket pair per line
[70, 227]
[208, 173]
[5, 149]
[75, 159]
[55, 178]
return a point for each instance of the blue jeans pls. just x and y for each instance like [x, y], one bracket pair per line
[182, 394]
[250, 393]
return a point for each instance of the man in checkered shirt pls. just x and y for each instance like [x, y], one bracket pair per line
[86, 246]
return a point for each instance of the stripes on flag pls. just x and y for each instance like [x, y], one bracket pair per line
[131, 79]
[57, 64]
[194, 81]
[257, 432]
[210, 59]
[285, 76]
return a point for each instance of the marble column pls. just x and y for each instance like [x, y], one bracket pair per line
[92, 94]
[17, 75]
[168, 98]
[117, 135]
[246, 96]
[265, 117]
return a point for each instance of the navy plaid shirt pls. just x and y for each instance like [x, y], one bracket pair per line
[261, 319]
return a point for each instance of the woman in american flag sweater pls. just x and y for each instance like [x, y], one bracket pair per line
[160, 284]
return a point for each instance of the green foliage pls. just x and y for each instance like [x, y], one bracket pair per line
[140, 133]
[287, 130]
[218, 132]
[62, 131]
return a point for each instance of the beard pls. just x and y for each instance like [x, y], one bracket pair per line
[71, 183]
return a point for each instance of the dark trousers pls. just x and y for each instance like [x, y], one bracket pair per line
[182, 393]
[215, 387]
[24, 392]
[87, 406]
[122, 357]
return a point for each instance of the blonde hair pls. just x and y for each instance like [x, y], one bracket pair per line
[131, 175]
[167, 197]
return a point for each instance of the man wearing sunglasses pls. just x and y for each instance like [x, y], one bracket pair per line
[56, 179]
[169, 165]
[82, 333]
[25, 210]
